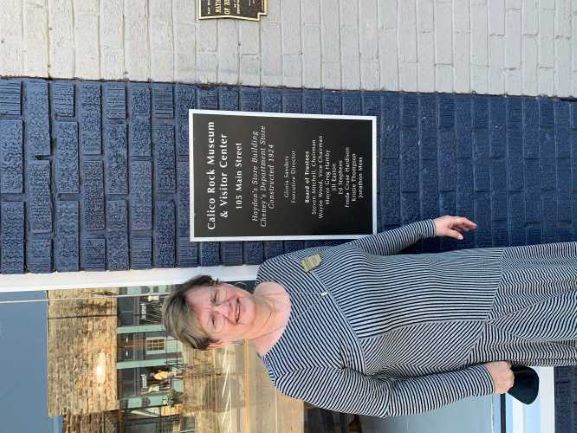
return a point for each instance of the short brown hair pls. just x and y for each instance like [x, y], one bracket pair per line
[179, 321]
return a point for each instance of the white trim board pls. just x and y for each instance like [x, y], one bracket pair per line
[538, 417]
[151, 277]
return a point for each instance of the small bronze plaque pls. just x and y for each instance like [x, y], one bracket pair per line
[239, 9]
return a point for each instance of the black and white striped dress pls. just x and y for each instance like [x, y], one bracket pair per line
[380, 334]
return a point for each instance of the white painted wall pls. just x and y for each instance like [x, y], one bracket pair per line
[484, 46]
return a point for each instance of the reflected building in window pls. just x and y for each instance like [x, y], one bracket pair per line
[113, 369]
[111, 366]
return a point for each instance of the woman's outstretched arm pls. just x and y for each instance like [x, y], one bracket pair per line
[345, 390]
[393, 241]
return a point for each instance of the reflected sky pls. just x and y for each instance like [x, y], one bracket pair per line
[23, 362]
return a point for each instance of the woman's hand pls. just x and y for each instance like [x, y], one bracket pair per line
[502, 375]
[453, 226]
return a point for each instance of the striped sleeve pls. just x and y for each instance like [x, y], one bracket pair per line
[349, 391]
[393, 241]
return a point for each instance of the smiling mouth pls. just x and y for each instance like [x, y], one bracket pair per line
[237, 310]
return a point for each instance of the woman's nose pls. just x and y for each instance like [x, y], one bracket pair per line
[223, 308]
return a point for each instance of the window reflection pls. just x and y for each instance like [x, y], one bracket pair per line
[113, 369]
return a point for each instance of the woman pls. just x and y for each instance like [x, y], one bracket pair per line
[355, 328]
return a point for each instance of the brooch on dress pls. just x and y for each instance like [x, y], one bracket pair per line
[311, 262]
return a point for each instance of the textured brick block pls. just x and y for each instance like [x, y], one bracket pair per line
[37, 120]
[292, 100]
[62, 93]
[187, 253]
[430, 190]
[483, 234]
[562, 144]
[117, 215]
[514, 160]
[547, 157]
[66, 252]
[564, 178]
[481, 160]
[164, 158]
[410, 207]
[463, 112]
[480, 112]
[564, 210]
[11, 156]
[90, 118]
[290, 246]
[409, 110]
[228, 98]
[447, 203]
[39, 197]
[497, 134]
[10, 97]
[94, 254]
[231, 253]
[514, 113]
[165, 234]
[371, 105]
[465, 187]
[546, 113]
[272, 249]
[207, 98]
[39, 252]
[93, 195]
[516, 208]
[500, 233]
[499, 207]
[446, 111]
[532, 172]
[390, 187]
[498, 173]
[390, 135]
[249, 99]
[141, 195]
[409, 161]
[253, 253]
[115, 151]
[271, 100]
[185, 100]
[12, 230]
[549, 223]
[573, 115]
[429, 140]
[140, 252]
[353, 104]
[138, 100]
[332, 102]
[114, 101]
[162, 101]
[139, 137]
[312, 101]
[209, 254]
[117, 256]
[183, 186]
[66, 162]
[447, 160]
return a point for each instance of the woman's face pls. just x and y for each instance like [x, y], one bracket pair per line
[225, 312]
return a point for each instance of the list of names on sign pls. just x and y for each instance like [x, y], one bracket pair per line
[240, 9]
[270, 176]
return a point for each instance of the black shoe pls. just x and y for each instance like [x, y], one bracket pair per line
[526, 387]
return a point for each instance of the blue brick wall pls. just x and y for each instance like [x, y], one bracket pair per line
[94, 175]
